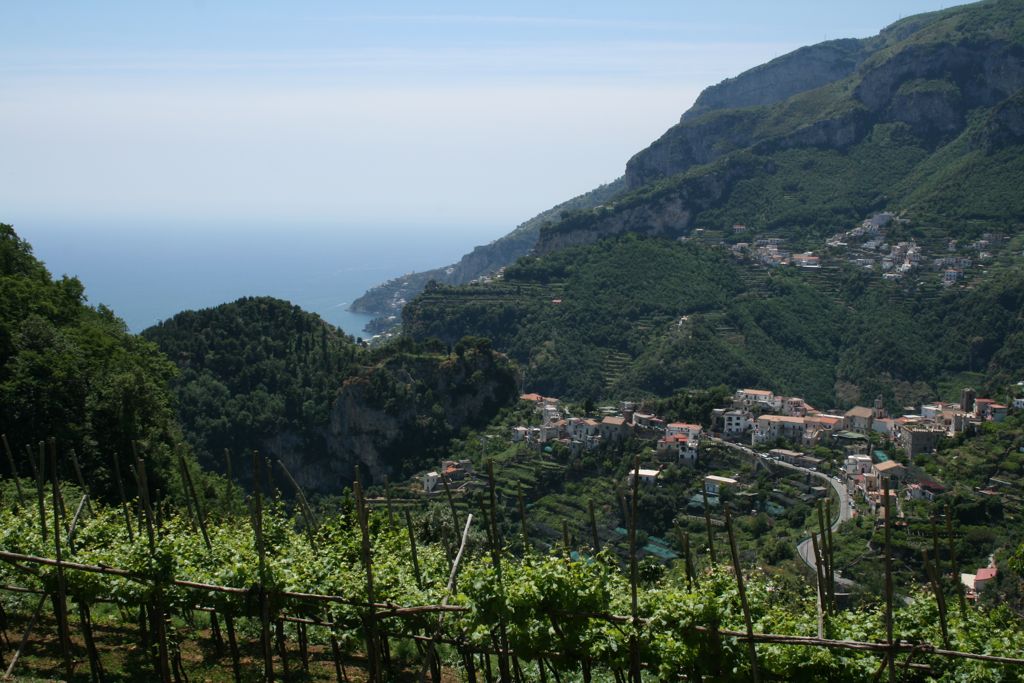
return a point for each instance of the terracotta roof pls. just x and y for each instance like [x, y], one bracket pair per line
[986, 574]
[782, 418]
[757, 392]
[531, 397]
[859, 411]
[617, 421]
[888, 465]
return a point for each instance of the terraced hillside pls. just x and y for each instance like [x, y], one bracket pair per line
[647, 316]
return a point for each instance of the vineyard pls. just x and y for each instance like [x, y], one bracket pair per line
[214, 586]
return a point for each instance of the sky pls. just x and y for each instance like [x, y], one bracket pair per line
[220, 115]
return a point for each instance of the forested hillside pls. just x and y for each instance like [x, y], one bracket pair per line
[74, 373]
[647, 316]
[252, 370]
[261, 373]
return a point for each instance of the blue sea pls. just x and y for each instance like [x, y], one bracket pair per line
[148, 273]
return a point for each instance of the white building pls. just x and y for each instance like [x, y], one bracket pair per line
[858, 464]
[750, 398]
[735, 423]
[647, 476]
[714, 483]
[768, 428]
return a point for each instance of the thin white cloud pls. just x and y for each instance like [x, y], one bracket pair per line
[619, 24]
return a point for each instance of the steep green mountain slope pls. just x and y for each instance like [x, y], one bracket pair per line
[925, 118]
[74, 373]
[260, 373]
[389, 297]
[633, 315]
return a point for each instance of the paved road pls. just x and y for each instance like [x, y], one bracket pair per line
[805, 549]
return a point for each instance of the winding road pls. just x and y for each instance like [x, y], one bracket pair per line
[805, 548]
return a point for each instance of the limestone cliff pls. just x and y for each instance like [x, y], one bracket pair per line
[399, 415]
[906, 95]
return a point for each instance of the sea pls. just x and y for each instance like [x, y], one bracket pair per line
[147, 273]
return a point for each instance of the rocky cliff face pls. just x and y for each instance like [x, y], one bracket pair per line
[398, 417]
[799, 71]
[929, 73]
[666, 213]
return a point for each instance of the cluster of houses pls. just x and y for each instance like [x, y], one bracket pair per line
[866, 246]
[580, 433]
[770, 251]
[766, 417]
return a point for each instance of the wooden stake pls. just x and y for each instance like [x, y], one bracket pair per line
[156, 609]
[78, 474]
[890, 655]
[822, 544]
[634, 645]
[14, 470]
[303, 647]
[372, 648]
[196, 502]
[124, 498]
[684, 547]
[503, 660]
[387, 498]
[707, 522]
[236, 665]
[831, 556]
[257, 501]
[820, 582]
[522, 516]
[229, 497]
[40, 478]
[300, 497]
[940, 598]
[954, 569]
[282, 648]
[61, 600]
[412, 545]
[751, 647]
[595, 541]
[95, 666]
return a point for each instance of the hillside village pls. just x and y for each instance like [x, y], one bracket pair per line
[868, 246]
[812, 456]
[774, 431]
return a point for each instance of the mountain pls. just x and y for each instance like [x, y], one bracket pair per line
[924, 118]
[261, 373]
[919, 117]
[918, 129]
[388, 298]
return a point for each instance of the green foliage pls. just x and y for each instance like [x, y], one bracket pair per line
[74, 373]
[643, 316]
[263, 374]
[551, 606]
[252, 370]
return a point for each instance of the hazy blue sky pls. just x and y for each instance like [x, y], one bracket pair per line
[150, 114]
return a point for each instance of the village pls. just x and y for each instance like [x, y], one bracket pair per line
[866, 246]
[868, 450]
